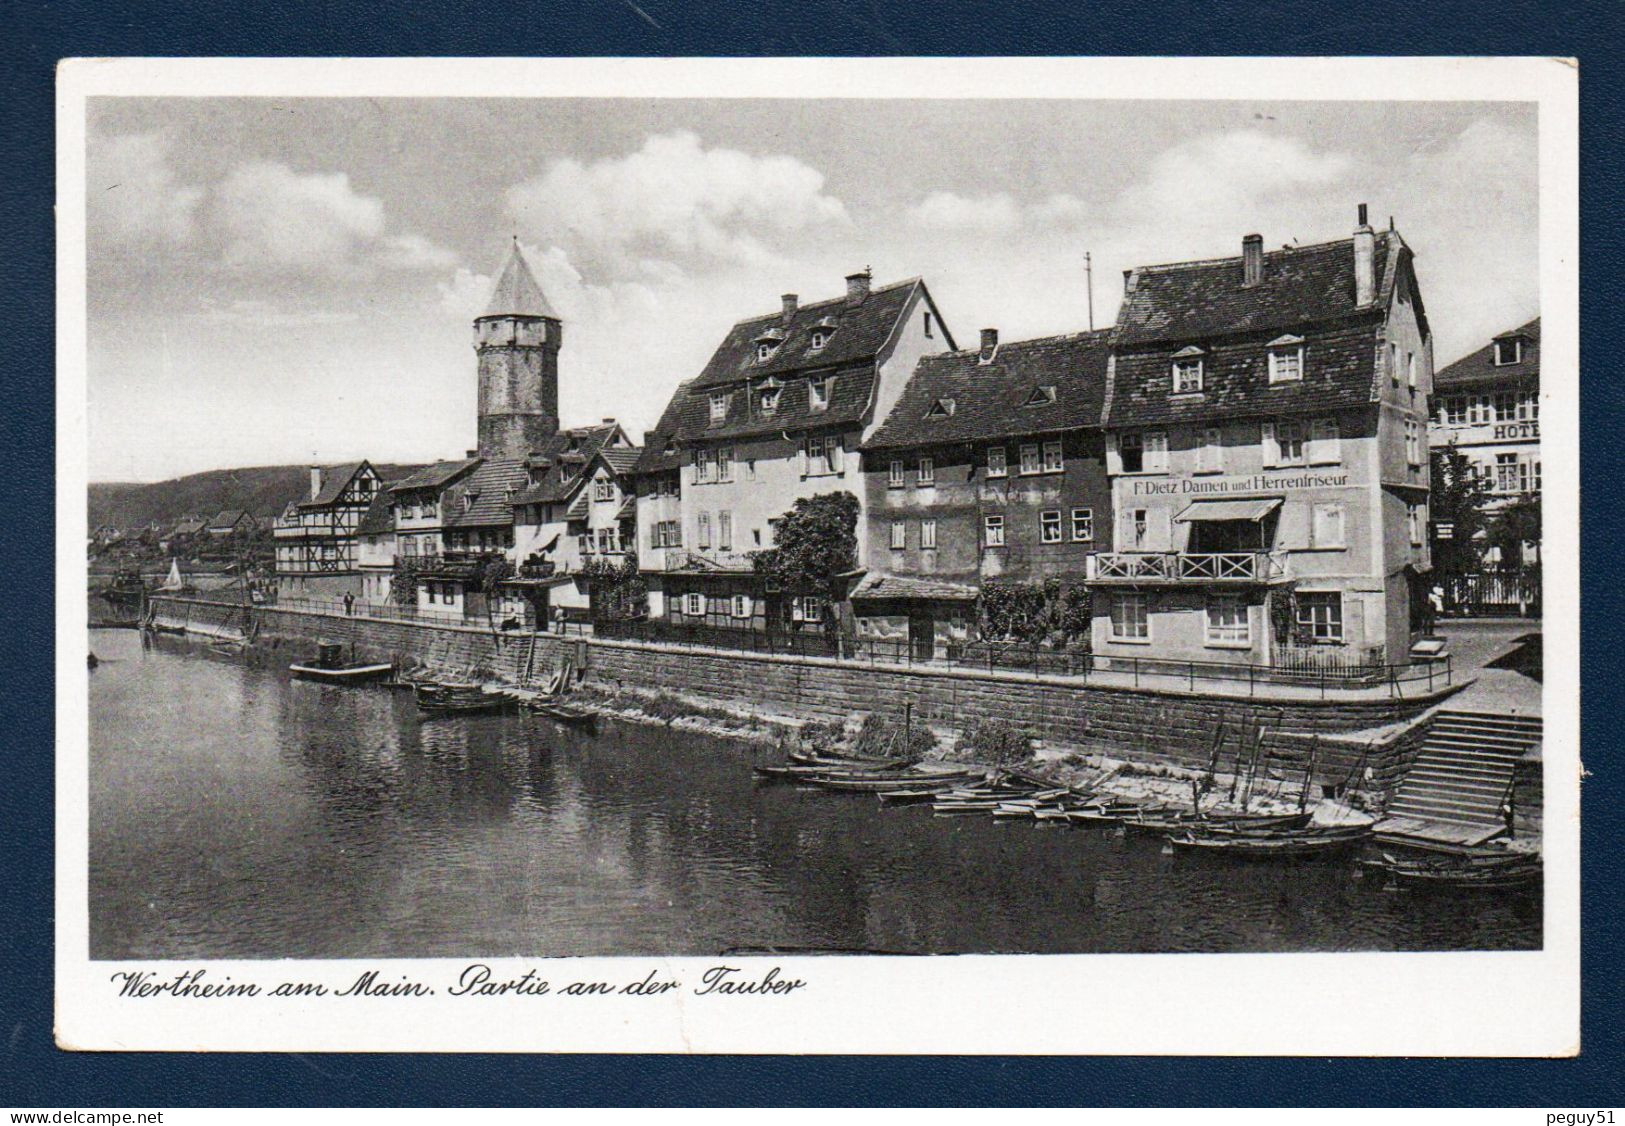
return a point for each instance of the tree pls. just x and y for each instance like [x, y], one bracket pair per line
[1515, 525]
[1458, 499]
[816, 542]
[403, 585]
[617, 591]
[494, 571]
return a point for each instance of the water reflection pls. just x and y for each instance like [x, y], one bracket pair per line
[238, 814]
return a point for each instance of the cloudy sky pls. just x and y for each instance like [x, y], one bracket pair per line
[286, 280]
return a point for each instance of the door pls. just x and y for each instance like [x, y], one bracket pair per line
[922, 633]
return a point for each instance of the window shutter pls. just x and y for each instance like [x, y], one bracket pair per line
[837, 454]
[1272, 448]
[804, 442]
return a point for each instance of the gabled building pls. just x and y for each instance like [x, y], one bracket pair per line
[231, 521]
[658, 480]
[777, 415]
[317, 539]
[579, 506]
[1267, 446]
[419, 510]
[1487, 405]
[991, 467]
[377, 549]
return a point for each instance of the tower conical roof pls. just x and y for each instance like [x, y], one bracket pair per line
[517, 292]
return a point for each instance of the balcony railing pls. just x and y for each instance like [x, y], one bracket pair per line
[1186, 567]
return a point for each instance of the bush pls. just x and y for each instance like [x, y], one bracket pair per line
[882, 737]
[819, 737]
[997, 743]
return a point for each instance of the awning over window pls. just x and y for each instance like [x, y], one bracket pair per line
[1228, 510]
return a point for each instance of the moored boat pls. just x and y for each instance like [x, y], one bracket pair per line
[329, 667]
[1271, 843]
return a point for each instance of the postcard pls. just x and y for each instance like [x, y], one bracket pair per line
[819, 556]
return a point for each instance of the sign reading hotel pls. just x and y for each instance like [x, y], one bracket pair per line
[1226, 486]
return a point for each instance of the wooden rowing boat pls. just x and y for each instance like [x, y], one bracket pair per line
[1271, 844]
[345, 674]
[1175, 822]
[572, 714]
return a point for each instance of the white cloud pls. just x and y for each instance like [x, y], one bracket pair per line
[414, 252]
[275, 218]
[133, 196]
[265, 314]
[674, 199]
[997, 213]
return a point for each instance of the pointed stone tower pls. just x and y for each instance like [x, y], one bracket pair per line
[517, 340]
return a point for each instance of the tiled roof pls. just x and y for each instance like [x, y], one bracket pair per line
[193, 524]
[848, 403]
[436, 475]
[334, 480]
[1029, 387]
[556, 466]
[860, 332]
[1339, 366]
[228, 518]
[493, 487]
[655, 457]
[578, 507]
[1199, 301]
[377, 519]
[1479, 367]
[902, 586]
[628, 509]
[517, 292]
[622, 459]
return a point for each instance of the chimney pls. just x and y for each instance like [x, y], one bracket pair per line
[857, 287]
[1365, 262]
[789, 300]
[990, 343]
[315, 481]
[471, 453]
[1252, 259]
[609, 422]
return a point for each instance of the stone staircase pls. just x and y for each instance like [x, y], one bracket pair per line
[1454, 790]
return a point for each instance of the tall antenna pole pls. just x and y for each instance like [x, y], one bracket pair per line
[1089, 272]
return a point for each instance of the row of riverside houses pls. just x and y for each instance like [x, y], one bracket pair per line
[1237, 471]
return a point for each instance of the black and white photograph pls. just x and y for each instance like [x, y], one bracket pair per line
[759, 535]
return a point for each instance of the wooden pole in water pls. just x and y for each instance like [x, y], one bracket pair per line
[1308, 774]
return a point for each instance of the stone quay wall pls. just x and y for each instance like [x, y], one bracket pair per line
[1141, 724]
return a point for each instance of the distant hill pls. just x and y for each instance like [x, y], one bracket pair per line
[263, 490]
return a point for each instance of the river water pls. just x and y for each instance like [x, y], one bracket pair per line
[237, 814]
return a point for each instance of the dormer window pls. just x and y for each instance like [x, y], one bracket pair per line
[1043, 393]
[1187, 371]
[820, 337]
[1286, 359]
[769, 400]
[468, 501]
[820, 392]
[719, 407]
[1509, 351]
[942, 408]
[767, 344]
[764, 352]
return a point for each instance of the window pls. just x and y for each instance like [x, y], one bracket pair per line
[1083, 525]
[1528, 406]
[1188, 375]
[1320, 615]
[927, 323]
[821, 456]
[1506, 473]
[725, 463]
[1286, 360]
[820, 337]
[770, 400]
[1508, 352]
[1131, 451]
[993, 531]
[899, 535]
[705, 466]
[1156, 451]
[586, 544]
[942, 408]
[1043, 393]
[807, 608]
[1210, 457]
[1131, 618]
[1414, 523]
[696, 605]
[725, 531]
[1506, 406]
[819, 392]
[603, 489]
[719, 407]
[741, 606]
[1049, 526]
[1324, 445]
[927, 474]
[1326, 525]
[1030, 463]
[1139, 525]
[996, 464]
[1410, 370]
[928, 535]
[1413, 442]
[764, 350]
[704, 537]
[1227, 622]
[1053, 461]
[1393, 364]
[1454, 411]
[895, 479]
